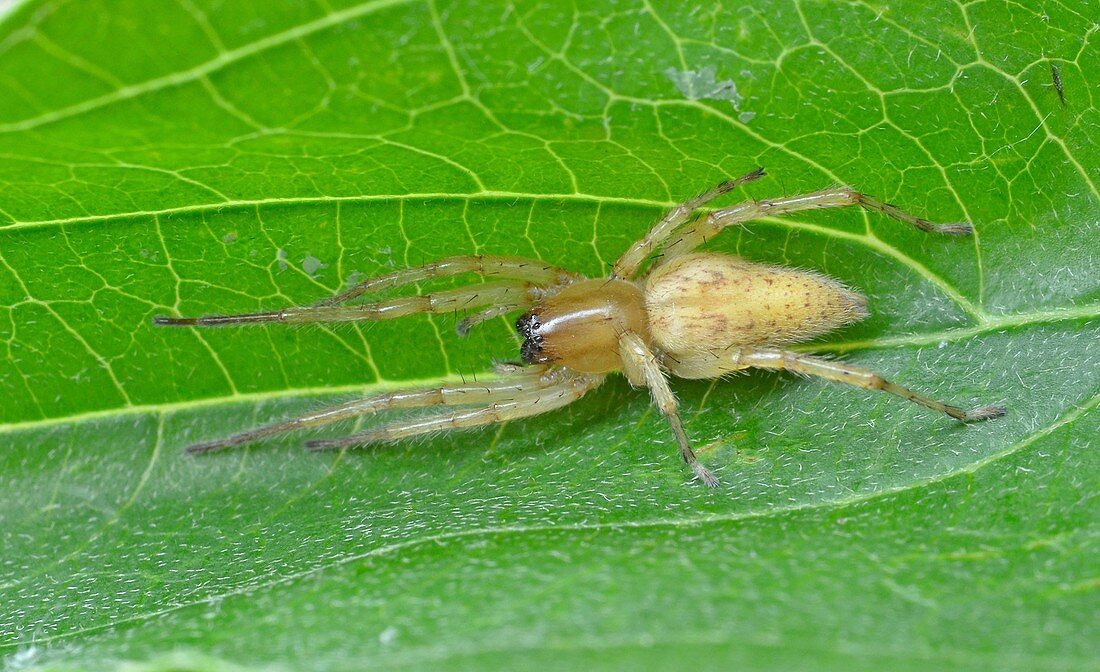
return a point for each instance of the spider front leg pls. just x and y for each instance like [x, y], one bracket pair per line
[527, 280]
[689, 238]
[641, 368]
[628, 264]
[512, 268]
[518, 383]
[552, 391]
[513, 294]
[719, 364]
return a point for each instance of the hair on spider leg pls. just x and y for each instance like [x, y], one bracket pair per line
[466, 324]
[511, 367]
[664, 309]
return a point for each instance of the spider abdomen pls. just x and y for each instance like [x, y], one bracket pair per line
[711, 302]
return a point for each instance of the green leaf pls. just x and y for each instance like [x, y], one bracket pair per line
[203, 156]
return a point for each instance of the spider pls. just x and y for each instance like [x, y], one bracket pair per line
[690, 314]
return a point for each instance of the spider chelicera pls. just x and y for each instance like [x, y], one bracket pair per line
[689, 314]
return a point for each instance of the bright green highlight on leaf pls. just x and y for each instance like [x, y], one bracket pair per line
[197, 156]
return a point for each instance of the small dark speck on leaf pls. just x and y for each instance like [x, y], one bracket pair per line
[1056, 79]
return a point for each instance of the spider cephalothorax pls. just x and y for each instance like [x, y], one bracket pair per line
[690, 315]
[579, 326]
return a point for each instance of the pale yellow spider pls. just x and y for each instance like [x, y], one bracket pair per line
[691, 315]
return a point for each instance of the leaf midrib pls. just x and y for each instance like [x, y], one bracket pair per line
[1065, 419]
[428, 197]
[992, 324]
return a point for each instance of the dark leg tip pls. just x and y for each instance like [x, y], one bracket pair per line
[727, 186]
[730, 185]
[705, 475]
[957, 229]
[162, 321]
[200, 448]
[984, 413]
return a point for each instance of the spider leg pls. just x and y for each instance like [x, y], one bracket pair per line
[538, 398]
[628, 264]
[517, 383]
[465, 325]
[715, 365]
[707, 227]
[512, 268]
[512, 293]
[641, 368]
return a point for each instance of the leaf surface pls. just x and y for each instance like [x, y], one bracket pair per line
[224, 157]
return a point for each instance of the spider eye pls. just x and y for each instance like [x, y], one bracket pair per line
[528, 326]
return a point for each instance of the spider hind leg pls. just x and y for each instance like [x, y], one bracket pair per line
[738, 359]
[688, 238]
